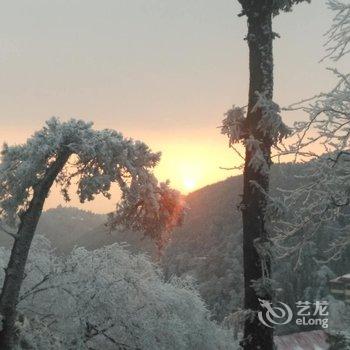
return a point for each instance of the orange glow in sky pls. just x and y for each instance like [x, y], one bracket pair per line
[154, 70]
[187, 163]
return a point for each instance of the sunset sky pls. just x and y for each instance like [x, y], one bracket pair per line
[160, 71]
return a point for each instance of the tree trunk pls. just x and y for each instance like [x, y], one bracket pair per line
[14, 273]
[260, 37]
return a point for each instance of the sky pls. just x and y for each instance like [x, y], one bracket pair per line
[160, 71]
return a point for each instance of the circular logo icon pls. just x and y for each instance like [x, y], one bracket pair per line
[274, 315]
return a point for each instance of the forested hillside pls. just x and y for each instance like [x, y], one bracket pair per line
[209, 248]
[63, 226]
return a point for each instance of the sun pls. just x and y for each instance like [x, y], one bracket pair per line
[189, 183]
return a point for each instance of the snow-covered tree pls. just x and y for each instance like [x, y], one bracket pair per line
[73, 152]
[109, 299]
[321, 202]
[258, 130]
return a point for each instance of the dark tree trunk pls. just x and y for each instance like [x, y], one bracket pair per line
[14, 273]
[260, 37]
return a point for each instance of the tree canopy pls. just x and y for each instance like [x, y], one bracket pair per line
[323, 141]
[109, 299]
[98, 158]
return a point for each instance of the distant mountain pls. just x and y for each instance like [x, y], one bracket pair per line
[67, 227]
[100, 236]
[63, 226]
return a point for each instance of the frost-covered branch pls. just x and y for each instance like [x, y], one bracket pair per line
[98, 158]
[339, 34]
[270, 126]
[320, 202]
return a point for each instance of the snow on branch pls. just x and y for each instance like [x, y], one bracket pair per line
[271, 123]
[98, 158]
[339, 34]
[320, 200]
[233, 125]
[153, 210]
[236, 127]
[257, 161]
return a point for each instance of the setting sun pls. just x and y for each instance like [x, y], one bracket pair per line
[189, 183]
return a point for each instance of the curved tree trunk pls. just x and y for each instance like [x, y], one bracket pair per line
[260, 37]
[14, 273]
